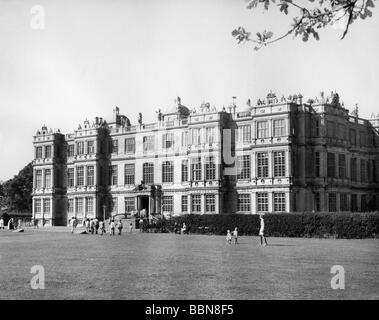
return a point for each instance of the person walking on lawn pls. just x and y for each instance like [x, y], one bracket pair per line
[261, 230]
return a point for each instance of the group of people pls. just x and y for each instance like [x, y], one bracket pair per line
[234, 235]
[96, 226]
[182, 230]
[11, 225]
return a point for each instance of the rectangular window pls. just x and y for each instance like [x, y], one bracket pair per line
[262, 164]
[129, 169]
[148, 144]
[353, 169]
[317, 200]
[80, 147]
[210, 135]
[332, 197]
[262, 129]
[210, 203]
[279, 128]
[47, 181]
[90, 175]
[47, 151]
[196, 136]
[317, 127]
[196, 203]
[184, 203]
[70, 150]
[70, 205]
[185, 139]
[353, 203]
[353, 137]
[262, 201]
[184, 170]
[130, 145]
[362, 139]
[196, 169]
[113, 175]
[342, 166]
[210, 168]
[317, 164]
[279, 202]
[243, 167]
[244, 134]
[38, 152]
[331, 160]
[167, 172]
[114, 146]
[37, 206]
[167, 203]
[46, 205]
[167, 140]
[129, 204]
[38, 182]
[343, 202]
[80, 176]
[331, 129]
[70, 177]
[363, 170]
[279, 164]
[89, 205]
[243, 203]
[148, 173]
[363, 203]
[91, 147]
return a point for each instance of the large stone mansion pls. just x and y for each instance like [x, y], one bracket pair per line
[280, 155]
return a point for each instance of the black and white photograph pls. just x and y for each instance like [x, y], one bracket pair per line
[189, 150]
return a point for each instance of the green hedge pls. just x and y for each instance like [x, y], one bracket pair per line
[320, 225]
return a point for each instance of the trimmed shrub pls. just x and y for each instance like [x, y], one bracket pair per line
[319, 225]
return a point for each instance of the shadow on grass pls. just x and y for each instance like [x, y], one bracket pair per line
[280, 245]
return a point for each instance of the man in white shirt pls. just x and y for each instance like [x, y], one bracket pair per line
[261, 230]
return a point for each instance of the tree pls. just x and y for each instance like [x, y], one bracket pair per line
[308, 21]
[17, 192]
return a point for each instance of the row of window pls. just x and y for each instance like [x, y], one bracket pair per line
[337, 167]
[43, 152]
[341, 131]
[343, 202]
[42, 206]
[263, 130]
[168, 203]
[243, 171]
[243, 134]
[90, 176]
[262, 165]
[243, 203]
[82, 205]
[279, 202]
[43, 181]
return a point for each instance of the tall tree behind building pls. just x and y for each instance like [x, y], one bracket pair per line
[16, 193]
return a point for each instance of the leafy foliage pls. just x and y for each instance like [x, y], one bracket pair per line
[308, 21]
[16, 193]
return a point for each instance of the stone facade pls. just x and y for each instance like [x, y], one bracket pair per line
[280, 155]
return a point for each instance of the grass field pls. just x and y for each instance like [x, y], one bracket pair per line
[168, 266]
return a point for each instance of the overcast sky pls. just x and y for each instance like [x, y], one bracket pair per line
[141, 54]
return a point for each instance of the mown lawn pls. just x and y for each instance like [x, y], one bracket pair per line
[168, 266]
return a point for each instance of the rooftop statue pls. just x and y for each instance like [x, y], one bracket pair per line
[159, 113]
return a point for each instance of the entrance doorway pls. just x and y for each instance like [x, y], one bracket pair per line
[143, 204]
